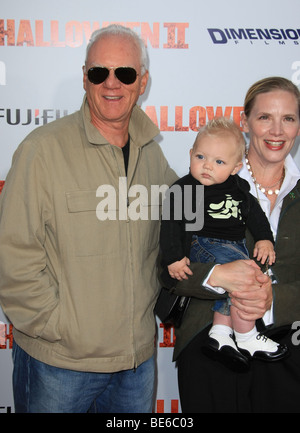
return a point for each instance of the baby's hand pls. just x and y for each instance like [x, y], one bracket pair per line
[180, 269]
[264, 250]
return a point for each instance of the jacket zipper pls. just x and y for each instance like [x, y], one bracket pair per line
[130, 249]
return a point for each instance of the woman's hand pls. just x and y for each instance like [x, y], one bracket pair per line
[239, 275]
[250, 290]
[253, 304]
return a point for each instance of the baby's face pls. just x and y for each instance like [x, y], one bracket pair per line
[215, 158]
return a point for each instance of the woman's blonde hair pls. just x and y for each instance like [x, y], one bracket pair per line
[266, 85]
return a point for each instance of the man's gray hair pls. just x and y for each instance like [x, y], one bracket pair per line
[117, 29]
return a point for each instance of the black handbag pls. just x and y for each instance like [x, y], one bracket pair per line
[170, 308]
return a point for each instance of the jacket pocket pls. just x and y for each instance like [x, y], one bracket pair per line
[51, 330]
[89, 234]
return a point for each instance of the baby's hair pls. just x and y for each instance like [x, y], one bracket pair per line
[219, 126]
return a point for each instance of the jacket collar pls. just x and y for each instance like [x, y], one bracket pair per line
[292, 197]
[292, 176]
[141, 128]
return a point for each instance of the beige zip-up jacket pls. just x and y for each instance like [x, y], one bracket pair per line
[79, 290]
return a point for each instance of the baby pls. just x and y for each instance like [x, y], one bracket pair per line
[229, 208]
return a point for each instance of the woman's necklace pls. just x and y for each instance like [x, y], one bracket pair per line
[265, 189]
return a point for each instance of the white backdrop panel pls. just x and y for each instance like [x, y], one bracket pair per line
[203, 57]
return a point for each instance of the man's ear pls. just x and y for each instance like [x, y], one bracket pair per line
[144, 81]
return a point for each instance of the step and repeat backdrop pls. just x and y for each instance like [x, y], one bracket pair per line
[203, 57]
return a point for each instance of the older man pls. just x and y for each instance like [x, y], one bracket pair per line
[77, 272]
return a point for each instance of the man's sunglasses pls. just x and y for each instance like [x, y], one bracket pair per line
[99, 74]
